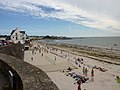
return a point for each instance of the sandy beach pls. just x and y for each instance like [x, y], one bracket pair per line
[55, 63]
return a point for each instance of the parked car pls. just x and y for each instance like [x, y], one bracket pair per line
[1, 43]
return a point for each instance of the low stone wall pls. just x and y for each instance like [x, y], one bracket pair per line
[16, 50]
[27, 76]
[15, 82]
[22, 75]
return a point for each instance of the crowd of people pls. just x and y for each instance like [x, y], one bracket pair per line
[76, 60]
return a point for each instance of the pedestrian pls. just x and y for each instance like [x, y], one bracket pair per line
[76, 62]
[79, 84]
[32, 51]
[79, 59]
[55, 58]
[39, 50]
[82, 59]
[86, 71]
[32, 58]
[92, 73]
[83, 70]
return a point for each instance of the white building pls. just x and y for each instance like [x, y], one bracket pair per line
[18, 36]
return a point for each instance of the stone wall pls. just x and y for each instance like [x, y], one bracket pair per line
[16, 50]
[25, 75]
[15, 82]
[28, 77]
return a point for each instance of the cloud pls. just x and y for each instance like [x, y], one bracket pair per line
[99, 14]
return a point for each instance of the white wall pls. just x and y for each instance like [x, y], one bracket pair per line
[18, 37]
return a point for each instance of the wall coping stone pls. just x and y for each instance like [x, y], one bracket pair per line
[32, 77]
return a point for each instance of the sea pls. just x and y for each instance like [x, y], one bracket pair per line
[104, 42]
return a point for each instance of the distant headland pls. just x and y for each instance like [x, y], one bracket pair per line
[48, 37]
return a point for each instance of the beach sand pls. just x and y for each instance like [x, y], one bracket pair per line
[55, 62]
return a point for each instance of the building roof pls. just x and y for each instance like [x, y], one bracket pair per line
[23, 32]
[12, 32]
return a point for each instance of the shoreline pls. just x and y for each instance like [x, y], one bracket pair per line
[107, 55]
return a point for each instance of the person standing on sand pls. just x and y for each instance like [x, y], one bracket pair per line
[79, 85]
[92, 73]
[55, 58]
[81, 59]
[86, 71]
[39, 50]
[32, 58]
[32, 52]
[83, 70]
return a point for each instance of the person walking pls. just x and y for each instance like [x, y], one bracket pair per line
[92, 73]
[86, 71]
[83, 70]
[79, 85]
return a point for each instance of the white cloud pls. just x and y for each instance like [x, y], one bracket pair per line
[100, 14]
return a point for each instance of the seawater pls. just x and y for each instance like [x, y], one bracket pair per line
[105, 42]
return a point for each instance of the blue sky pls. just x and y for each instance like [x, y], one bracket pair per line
[80, 18]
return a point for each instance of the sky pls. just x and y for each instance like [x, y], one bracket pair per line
[71, 18]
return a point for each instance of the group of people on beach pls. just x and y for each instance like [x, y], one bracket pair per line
[85, 71]
[37, 48]
[78, 61]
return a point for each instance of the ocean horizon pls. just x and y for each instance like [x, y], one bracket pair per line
[104, 42]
